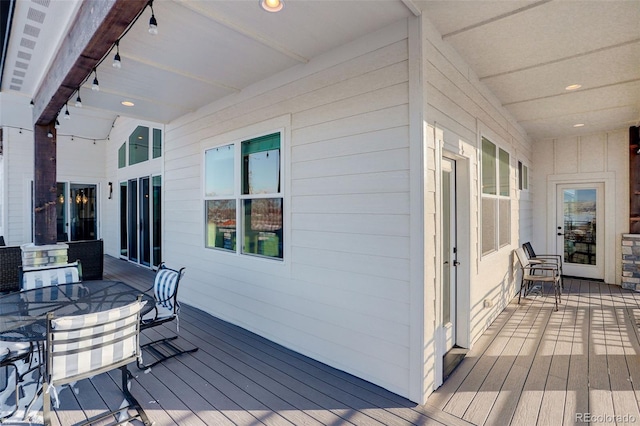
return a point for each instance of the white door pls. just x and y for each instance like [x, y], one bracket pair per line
[580, 229]
[449, 251]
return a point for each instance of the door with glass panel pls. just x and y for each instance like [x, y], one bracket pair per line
[449, 253]
[140, 220]
[579, 229]
[76, 211]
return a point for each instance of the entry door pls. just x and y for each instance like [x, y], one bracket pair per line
[580, 229]
[449, 253]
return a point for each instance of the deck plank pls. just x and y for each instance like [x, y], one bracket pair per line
[532, 365]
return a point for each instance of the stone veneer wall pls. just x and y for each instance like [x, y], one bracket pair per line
[34, 256]
[631, 261]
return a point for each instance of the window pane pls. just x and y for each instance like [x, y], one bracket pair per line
[525, 177]
[218, 164]
[221, 224]
[262, 224]
[139, 145]
[157, 220]
[505, 222]
[261, 165]
[489, 225]
[122, 155]
[504, 173]
[488, 167]
[157, 143]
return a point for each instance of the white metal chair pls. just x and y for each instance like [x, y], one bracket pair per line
[166, 309]
[82, 346]
[532, 273]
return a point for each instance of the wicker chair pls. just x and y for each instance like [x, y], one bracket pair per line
[91, 254]
[10, 261]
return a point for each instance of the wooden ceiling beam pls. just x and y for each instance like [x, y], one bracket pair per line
[93, 33]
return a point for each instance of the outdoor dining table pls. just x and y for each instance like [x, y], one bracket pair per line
[23, 315]
[23, 318]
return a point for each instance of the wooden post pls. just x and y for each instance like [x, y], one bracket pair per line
[44, 185]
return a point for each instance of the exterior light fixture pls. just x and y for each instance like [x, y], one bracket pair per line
[57, 126]
[78, 100]
[116, 59]
[95, 86]
[31, 104]
[153, 24]
[272, 5]
[50, 134]
[67, 116]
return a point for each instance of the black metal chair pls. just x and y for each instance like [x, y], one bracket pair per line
[534, 258]
[11, 359]
[532, 273]
[166, 309]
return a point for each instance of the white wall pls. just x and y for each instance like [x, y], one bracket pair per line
[580, 158]
[464, 110]
[78, 160]
[342, 293]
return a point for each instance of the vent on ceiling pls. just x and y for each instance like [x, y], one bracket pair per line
[24, 55]
[29, 44]
[36, 15]
[32, 31]
[44, 3]
[19, 73]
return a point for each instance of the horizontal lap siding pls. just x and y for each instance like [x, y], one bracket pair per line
[342, 294]
[458, 103]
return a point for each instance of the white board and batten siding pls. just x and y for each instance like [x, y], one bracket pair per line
[464, 110]
[341, 294]
[600, 157]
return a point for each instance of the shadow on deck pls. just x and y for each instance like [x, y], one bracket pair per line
[240, 378]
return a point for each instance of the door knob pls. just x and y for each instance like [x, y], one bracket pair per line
[560, 233]
[456, 263]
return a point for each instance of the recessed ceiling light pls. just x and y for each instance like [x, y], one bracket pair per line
[127, 103]
[272, 5]
[578, 125]
[573, 87]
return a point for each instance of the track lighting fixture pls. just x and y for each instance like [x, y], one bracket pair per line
[116, 59]
[153, 24]
[95, 86]
[78, 100]
[67, 116]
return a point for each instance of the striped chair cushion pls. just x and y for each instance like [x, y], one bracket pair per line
[164, 289]
[36, 278]
[82, 344]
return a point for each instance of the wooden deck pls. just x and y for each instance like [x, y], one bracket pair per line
[239, 378]
[537, 366]
[532, 366]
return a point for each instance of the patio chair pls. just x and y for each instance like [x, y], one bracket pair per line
[166, 309]
[532, 273]
[82, 346]
[535, 258]
[14, 355]
[50, 275]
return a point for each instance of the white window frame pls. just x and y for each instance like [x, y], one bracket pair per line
[239, 197]
[497, 197]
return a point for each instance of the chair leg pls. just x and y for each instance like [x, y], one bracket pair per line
[159, 355]
[520, 292]
[133, 402]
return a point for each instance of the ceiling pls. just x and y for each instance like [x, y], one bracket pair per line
[526, 52]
